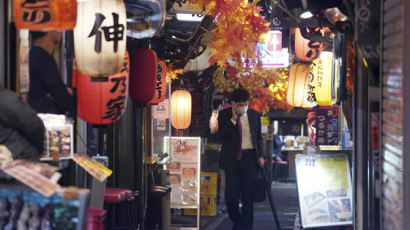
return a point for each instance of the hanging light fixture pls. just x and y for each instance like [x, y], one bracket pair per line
[181, 104]
[323, 79]
[307, 50]
[298, 86]
[306, 14]
[43, 15]
[100, 37]
[143, 75]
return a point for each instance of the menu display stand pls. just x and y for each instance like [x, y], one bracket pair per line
[185, 174]
[324, 190]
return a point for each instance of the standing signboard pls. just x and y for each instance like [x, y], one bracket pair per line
[325, 190]
[184, 172]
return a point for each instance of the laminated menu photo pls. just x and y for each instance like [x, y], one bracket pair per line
[39, 177]
[58, 141]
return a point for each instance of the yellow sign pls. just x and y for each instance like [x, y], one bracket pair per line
[265, 121]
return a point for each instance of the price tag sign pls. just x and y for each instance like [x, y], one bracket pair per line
[92, 167]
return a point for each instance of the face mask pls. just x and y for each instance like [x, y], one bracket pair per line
[242, 110]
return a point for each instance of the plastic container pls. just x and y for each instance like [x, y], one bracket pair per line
[95, 219]
[208, 207]
[209, 183]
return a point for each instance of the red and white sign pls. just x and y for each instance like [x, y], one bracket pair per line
[272, 53]
[274, 41]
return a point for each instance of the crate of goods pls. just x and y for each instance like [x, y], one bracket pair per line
[209, 182]
[208, 207]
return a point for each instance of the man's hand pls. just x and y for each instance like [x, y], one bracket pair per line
[234, 113]
[261, 161]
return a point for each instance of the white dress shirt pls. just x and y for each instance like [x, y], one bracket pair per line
[246, 132]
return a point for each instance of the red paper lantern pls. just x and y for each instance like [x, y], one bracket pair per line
[103, 102]
[45, 14]
[143, 75]
[307, 50]
[161, 83]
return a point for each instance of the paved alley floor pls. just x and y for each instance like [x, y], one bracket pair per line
[286, 202]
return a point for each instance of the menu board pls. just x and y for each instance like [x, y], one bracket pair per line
[325, 190]
[184, 170]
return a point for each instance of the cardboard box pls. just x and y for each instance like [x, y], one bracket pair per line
[209, 183]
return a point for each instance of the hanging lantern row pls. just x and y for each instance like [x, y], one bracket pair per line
[102, 102]
[181, 104]
[44, 15]
[314, 84]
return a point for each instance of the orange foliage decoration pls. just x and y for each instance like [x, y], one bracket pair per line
[351, 56]
[267, 87]
[239, 27]
[172, 73]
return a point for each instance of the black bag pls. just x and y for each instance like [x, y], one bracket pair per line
[260, 190]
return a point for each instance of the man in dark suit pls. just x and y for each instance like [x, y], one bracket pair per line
[242, 151]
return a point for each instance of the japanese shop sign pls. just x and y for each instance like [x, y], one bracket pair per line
[45, 14]
[327, 126]
[99, 37]
[160, 84]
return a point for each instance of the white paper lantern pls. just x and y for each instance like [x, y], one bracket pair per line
[297, 95]
[100, 37]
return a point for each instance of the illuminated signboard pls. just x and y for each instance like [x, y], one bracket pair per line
[272, 53]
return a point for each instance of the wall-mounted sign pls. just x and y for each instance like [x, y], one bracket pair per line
[273, 41]
[43, 15]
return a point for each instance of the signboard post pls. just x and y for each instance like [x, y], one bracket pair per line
[184, 173]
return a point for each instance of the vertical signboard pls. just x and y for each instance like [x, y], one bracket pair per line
[184, 170]
[327, 126]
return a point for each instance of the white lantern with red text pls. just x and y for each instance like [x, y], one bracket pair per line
[181, 104]
[298, 86]
[100, 37]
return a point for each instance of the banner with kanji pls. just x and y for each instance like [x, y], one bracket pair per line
[327, 125]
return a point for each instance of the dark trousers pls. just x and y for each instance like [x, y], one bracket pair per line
[240, 184]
